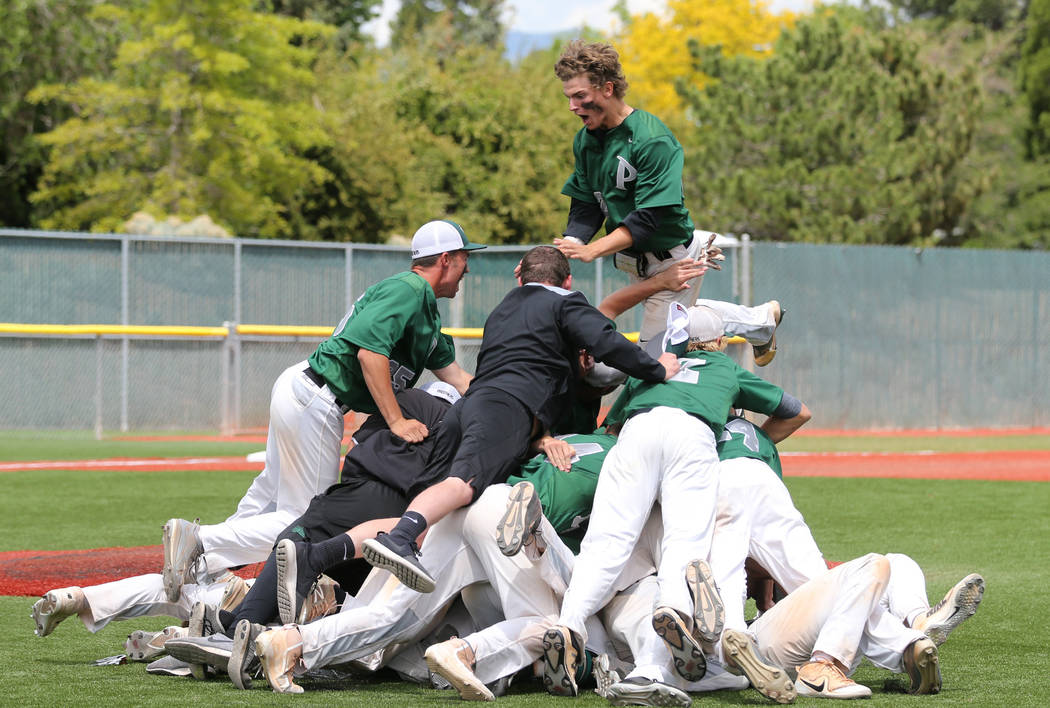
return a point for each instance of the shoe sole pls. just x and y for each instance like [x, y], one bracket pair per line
[142, 645]
[452, 670]
[242, 654]
[557, 678]
[604, 677]
[708, 610]
[382, 557]
[173, 575]
[47, 613]
[196, 655]
[655, 694]
[688, 657]
[287, 575]
[967, 595]
[771, 681]
[924, 670]
[517, 523]
[764, 353]
[233, 596]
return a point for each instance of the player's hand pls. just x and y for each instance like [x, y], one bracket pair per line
[559, 453]
[572, 248]
[677, 277]
[670, 362]
[409, 430]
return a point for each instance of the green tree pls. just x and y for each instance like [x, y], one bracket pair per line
[465, 22]
[41, 42]
[842, 135]
[206, 111]
[1035, 78]
[346, 15]
[472, 138]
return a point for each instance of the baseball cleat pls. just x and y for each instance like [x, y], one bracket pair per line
[168, 666]
[236, 590]
[561, 657]
[604, 677]
[454, 661]
[688, 656]
[54, 606]
[244, 664]
[521, 519]
[958, 605]
[142, 645]
[320, 602]
[822, 679]
[295, 578]
[213, 650]
[639, 691]
[708, 611]
[204, 620]
[741, 656]
[182, 548]
[923, 666]
[764, 353]
[279, 651]
[383, 553]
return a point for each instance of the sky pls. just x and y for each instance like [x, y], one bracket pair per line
[556, 15]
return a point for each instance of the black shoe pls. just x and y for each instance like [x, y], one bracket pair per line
[296, 576]
[383, 552]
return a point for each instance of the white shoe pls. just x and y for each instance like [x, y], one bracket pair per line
[822, 679]
[604, 677]
[640, 691]
[143, 645]
[182, 548]
[453, 660]
[54, 606]
[959, 604]
[741, 654]
[279, 651]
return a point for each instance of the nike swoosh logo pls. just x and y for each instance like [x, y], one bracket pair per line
[819, 688]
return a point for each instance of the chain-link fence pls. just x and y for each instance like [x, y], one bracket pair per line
[875, 337]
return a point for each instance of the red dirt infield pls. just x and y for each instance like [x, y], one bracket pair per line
[36, 572]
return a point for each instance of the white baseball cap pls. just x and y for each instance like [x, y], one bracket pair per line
[705, 324]
[436, 237]
[442, 390]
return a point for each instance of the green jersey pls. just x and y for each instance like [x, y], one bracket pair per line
[567, 497]
[742, 438]
[636, 165]
[398, 318]
[709, 384]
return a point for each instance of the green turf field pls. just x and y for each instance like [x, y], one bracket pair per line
[951, 528]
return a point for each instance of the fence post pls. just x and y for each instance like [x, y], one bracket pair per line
[125, 317]
[233, 338]
[348, 277]
[599, 282]
[98, 387]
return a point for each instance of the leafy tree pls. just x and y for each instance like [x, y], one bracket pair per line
[994, 14]
[347, 15]
[1035, 78]
[842, 135]
[42, 42]
[206, 112]
[466, 22]
[471, 137]
[655, 53]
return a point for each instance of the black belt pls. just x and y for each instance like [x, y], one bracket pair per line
[658, 255]
[320, 382]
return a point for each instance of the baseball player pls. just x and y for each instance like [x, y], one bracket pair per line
[522, 386]
[628, 175]
[380, 347]
[666, 452]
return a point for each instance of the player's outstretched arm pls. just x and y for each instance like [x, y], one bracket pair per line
[675, 278]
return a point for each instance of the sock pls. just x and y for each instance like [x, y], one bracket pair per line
[408, 528]
[325, 554]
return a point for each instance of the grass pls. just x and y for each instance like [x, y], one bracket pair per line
[950, 527]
